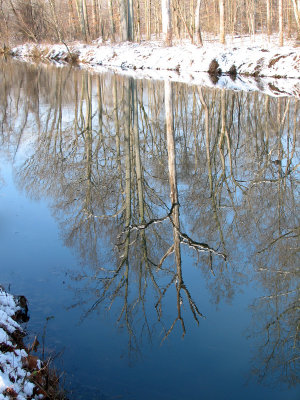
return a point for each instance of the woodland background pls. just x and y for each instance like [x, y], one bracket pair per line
[137, 20]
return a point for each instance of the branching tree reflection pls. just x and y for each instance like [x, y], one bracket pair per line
[135, 191]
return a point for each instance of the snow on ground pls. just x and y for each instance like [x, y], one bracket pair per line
[14, 378]
[251, 58]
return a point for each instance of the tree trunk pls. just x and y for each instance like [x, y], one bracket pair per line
[80, 13]
[72, 19]
[55, 20]
[280, 15]
[95, 26]
[172, 170]
[130, 21]
[138, 22]
[112, 22]
[296, 6]
[124, 20]
[222, 21]
[148, 19]
[180, 12]
[197, 24]
[269, 31]
[166, 21]
[85, 16]
[127, 151]
[137, 151]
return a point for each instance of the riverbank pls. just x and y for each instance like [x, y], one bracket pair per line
[22, 375]
[240, 65]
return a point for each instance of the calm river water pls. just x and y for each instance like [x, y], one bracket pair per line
[154, 229]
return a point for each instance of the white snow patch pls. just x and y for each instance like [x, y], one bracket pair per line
[12, 373]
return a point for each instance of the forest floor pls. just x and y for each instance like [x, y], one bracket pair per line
[244, 63]
[22, 375]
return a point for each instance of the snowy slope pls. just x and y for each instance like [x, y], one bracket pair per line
[185, 62]
[14, 376]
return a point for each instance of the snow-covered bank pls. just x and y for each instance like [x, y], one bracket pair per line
[233, 64]
[22, 376]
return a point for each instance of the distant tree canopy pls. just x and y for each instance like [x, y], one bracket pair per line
[136, 20]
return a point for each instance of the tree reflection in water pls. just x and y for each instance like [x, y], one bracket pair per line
[130, 166]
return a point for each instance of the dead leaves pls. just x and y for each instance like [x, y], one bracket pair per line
[11, 393]
[30, 363]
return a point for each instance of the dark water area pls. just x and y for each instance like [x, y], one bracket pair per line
[154, 229]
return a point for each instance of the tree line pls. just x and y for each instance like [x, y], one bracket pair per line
[137, 20]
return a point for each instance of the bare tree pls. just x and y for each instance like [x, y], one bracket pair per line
[55, 19]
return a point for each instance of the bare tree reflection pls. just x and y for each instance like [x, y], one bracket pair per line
[141, 173]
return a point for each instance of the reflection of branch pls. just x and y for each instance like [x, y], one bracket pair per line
[278, 271]
[192, 304]
[104, 216]
[184, 238]
[172, 326]
[196, 313]
[165, 256]
[277, 295]
[108, 282]
[162, 293]
[152, 221]
[278, 238]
